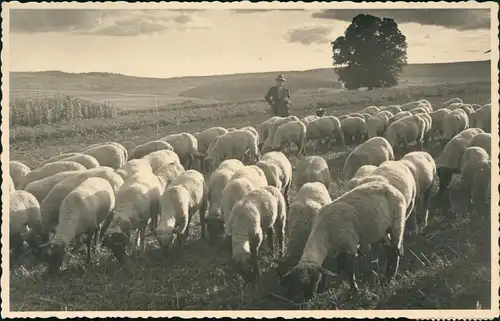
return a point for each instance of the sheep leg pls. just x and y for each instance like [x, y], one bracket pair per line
[90, 237]
[280, 234]
[392, 261]
[142, 243]
[96, 236]
[423, 213]
[350, 267]
[445, 175]
[341, 263]
[270, 239]
[105, 224]
[16, 245]
[203, 213]
[254, 249]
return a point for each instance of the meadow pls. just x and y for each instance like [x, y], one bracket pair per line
[449, 267]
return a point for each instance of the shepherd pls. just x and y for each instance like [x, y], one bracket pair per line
[278, 97]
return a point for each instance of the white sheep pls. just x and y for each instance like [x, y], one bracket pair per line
[168, 173]
[160, 158]
[374, 151]
[475, 106]
[261, 211]
[482, 140]
[216, 184]
[24, 211]
[308, 201]
[278, 171]
[358, 115]
[428, 126]
[377, 124]
[410, 105]
[82, 211]
[86, 160]
[468, 109]
[240, 144]
[394, 109]
[252, 130]
[137, 202]
[372, 110]
[12, 187]
[438, 117]
[18, 172]
[231, 129]
[455, 122]
[423, 168]
[406, 131]
[418, 110]
[49, 170]
[207, 136]
[326, 128]
[134, 166]
[312, 169]
[149, 147]
[273, 126]
[451, 101]
[50, 205]
[286, 134]
[482, 118]
[360, 217]
[353, 130]
[185, 146]
[185, 196]
[59, 157]
[109, 154]
[481, 188]
[342, 117]
[265, 128]
[42, 187]
[448, 162]
[362, 172]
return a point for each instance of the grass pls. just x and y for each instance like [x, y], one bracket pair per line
[447, 268]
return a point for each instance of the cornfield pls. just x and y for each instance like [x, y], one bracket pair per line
[38, 109]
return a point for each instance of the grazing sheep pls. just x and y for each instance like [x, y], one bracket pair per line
[475, 106]
[252, 130]
[168, 173]
[325, 128]
[261, 211]
[49, 170]
[216, 184]
[448, 163]
[160, 158]
[454, 106]
[482, 118]
[377, 124]
[273, 126]
[24, 211]
[12, 187]
[185, 196]
[278, 171]
[207, 136]
[132, 167]
[320, 112]
[241, 145]
[374, 151]
[149, 147]
[482, 140]
[410, 105]
[455, 122]
[286, 134]
[392, 109]
[362, 172]
[362, 216]
[265, 128]
[231, 129]
[85, 160]
[42, 187]
[423, 168]
[406, 131]
[137, 201]
[468, 109]
[372, 110]
[342, 117]
[399, 116]
[428, 126]
[310, 198]
[438, 117]
[82, 211]
[451, 101]
[353, 129]
[418, 110]
[306, 120]
[312, 169]
[109, 154]
[58, 158]
[185, 146]
[481, 188]
[358, 115]
[50, 205]
[18, 172]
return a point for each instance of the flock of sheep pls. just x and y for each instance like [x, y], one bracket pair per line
[238, 180]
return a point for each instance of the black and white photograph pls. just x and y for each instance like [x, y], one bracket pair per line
[271, 159]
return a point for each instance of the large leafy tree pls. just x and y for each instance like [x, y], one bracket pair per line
[371, 53]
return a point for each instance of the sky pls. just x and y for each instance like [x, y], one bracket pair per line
[173, 43]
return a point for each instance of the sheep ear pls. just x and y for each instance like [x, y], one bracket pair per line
[327, 272]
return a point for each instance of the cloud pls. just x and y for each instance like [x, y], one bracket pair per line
[104, 22]
[248, 11]
[459, 19]
[309, 35]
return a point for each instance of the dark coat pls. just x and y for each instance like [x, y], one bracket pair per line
[279, 100]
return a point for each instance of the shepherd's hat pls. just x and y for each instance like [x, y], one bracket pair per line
[281, 77]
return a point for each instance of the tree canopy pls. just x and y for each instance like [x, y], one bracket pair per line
[371, 53]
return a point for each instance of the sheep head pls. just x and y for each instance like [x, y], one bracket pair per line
[117, 243]
[247, 268]
[304, 279]
[166, 237]
[54, 253]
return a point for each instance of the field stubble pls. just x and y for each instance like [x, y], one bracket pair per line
[448, 267]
